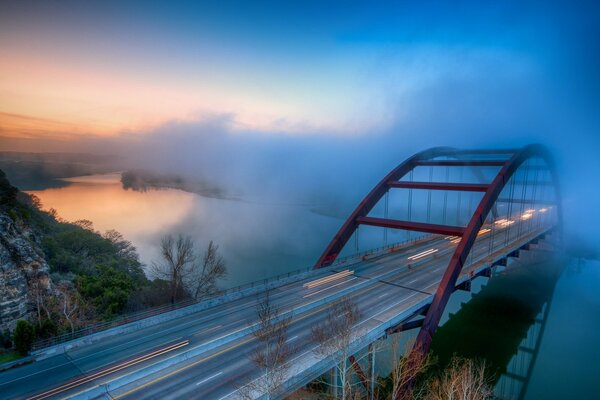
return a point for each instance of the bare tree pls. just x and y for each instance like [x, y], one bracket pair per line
[203, 280]
[462, 379]
[180, 268]
[273, 353]
[126, 248]
[334, 337]
[178, 258]
[85, 224]
[406, 368]
[69, 303]
[38, 283]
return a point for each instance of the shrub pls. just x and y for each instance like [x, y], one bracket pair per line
[24, 336]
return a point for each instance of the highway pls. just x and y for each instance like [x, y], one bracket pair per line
[382, 287]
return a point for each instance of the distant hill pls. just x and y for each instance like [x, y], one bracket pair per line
[37, 171]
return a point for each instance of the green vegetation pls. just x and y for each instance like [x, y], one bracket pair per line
[24, 337]
[95, 277]
[9, 356]
[109, 290]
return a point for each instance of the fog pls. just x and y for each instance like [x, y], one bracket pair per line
[493, 78]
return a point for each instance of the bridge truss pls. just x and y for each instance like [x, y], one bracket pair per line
[465, 195]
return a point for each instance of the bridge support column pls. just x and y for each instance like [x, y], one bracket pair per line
[372, 361]
[334, 382]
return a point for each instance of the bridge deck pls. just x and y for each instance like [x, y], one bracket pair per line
[215, 345]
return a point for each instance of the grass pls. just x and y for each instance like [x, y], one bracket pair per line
[9, 356]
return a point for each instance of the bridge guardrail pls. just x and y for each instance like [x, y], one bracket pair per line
[139, 315]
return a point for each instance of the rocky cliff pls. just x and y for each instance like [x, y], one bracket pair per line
[22, 265]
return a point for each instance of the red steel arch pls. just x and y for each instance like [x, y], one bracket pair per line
[468, 234]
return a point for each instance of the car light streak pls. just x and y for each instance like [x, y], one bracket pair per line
[327, 279]
[422, 254]
[503, 223]
[107, 371]
[526, 216]
[328, 287]
[483, 231]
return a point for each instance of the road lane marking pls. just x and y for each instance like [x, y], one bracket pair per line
[360, 291]
[209, 378]
[208, 330]
[160, 378]
[102, 373]
[292, 338]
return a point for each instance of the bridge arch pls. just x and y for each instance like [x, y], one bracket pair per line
[509, 162]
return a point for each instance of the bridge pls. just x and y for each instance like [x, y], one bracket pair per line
[440, 219]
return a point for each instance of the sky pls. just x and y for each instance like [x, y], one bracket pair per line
[261, 94]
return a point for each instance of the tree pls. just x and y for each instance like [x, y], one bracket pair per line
[178, 257]
[405, 369]
[69, 303]
[203, 280]
[184, 274]
[334, 337]
[108, 291]
[462, 379]
[23, 337]
[38, 291]
[273, 353]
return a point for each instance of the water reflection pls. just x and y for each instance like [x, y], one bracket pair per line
[257, 239]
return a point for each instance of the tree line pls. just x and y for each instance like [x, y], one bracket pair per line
[410, 376]
[95, 277]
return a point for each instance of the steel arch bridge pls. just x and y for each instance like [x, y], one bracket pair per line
[515, 185]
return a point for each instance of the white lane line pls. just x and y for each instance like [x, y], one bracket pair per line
[383, 295]
[208, 330]
[209, 378]
[414, 280]
[292, 338]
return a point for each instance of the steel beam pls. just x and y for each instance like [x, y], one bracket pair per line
[412, 226]
[448, 282]
[359, 372]
[463, 187]
[461, 163]
[465, 286]
[405, 326]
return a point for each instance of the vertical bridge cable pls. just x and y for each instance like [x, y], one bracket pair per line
[385, 212]
[409, 212]
[511, 198]
[429, 195]
[531, 222]
[446, 196]
[459, 201]
[524, 185]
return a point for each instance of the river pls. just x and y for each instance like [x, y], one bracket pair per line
[539, 335]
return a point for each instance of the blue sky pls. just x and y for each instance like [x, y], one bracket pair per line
[343, 87]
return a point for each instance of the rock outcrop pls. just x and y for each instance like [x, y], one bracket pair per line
[23, 271]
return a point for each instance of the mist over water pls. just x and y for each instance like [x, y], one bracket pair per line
[258, 239]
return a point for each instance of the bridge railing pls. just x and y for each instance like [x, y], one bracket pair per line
[381, 250]
[143, 314]
[139, 315]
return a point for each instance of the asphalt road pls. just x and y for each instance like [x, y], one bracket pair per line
[381, 287]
